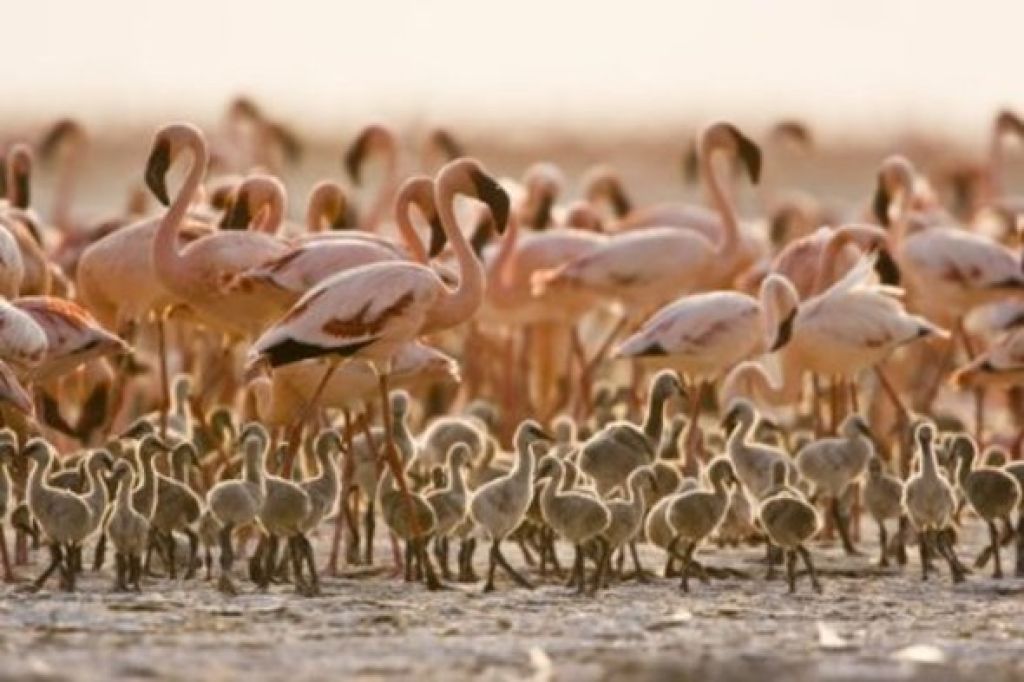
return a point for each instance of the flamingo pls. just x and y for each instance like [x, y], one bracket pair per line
[280, 282]
[67, 142]
[370, 312]
[199, 272]
[947, 271]
[374, 140]
[703, 336]
[642, 268]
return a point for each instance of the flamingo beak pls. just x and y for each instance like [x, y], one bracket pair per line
[156, 171]
[241, 213]
[880, 203]
[750, 155]
[691, 165]
[438, 238]
[492, 194]
[356, 155]
[785, 332]
[542, 218]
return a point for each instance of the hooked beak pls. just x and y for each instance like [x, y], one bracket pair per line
[438, 238]
[492, 194]
[785, 332]
[880, 203]
[542, 218]
[749, 154]
[356, 155]
[241, 213]
[157, 165]
[887, 269]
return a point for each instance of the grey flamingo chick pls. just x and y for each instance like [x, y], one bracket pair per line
[790, 521]
[831, 465]
[577, 517]
[450, 503]
[930, 502]
[883, 498]
[237, 502]
[610, 455]
[65, 518]
[694, 515]
[991, 492]
[498, 506]
[128, 531]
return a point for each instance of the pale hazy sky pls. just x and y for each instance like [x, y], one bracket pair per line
[858, 61]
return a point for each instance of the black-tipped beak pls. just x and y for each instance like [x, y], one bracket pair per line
[240, 214]
[156, 171]
[448, 145]
[691, 165]
[880, 203]
[785, 332]
[22, 188]
[749, 153]
[887, 269]
[482, 233]
[492, 194]
[438, 238]
[355, 156]
[542, 218]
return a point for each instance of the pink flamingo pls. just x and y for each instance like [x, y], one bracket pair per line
[642, 268]
[372, 311]
[374, 140]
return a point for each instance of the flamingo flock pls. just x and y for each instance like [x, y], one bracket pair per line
[473, 358]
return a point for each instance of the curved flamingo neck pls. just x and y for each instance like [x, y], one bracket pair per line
[67, 180]
[413, 243]
[929, 468]
[168, 263]
[388, 184]
[459, 304]
[837, 241]
[500, 273]
[274, 213]
[721, 201]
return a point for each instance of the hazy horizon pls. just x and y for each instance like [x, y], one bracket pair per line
[855, 65]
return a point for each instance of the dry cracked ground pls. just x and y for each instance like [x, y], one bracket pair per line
[868, 624]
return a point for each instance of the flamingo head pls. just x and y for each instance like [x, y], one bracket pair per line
[372, 139]
[780, 302]
[895, 177]
[727, 137]
[167, 145]
[467, 176]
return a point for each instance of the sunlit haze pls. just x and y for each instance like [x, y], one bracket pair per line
[855, 63]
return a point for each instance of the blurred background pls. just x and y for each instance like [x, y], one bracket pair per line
[574, 80]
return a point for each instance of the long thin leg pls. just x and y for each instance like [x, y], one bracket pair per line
[505, 566]
[684, 583]
[172, 569]
[369, 521]
[227, 560]
[770, 559]
[922, 547]
[193, 553]
[391, 455]
[791, 569]
[579, 571]
[843, 528]
[8, 573]
[429, 575]
[955, 568]
[56, 557]
[604, 555]
[997, 571]
[1019, 548]
[120, 572]
[883, 546]
[101, 550]
[901, 540]
[314, 579]
[641, 574]
[491, 566]
[165, 385]
[806, 556]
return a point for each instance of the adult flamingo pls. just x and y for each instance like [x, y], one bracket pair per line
[948, 271]
[370, 312]
[374, 140]
[643, 268]
[199, 272]
[280, 282]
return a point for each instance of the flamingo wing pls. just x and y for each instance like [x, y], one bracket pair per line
[350, 312]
